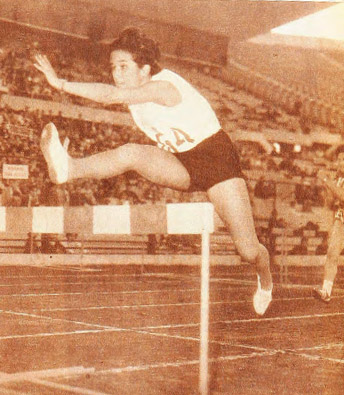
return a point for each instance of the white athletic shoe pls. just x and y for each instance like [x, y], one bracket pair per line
[55, 155]
[321, 294]
[261, 299]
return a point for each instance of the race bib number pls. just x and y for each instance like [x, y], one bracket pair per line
[173, 139]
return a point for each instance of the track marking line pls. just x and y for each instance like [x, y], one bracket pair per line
[52, 334]
[182, 363]
[72, 276]
[219, 342]
[296, 317]
[135, 306]
[86, 283]
[21, 376]
[69, 388]
[108, 276]
[104, 329]
[248, 320]
[321, 347]
[146, 330]
[318, 357]
[43, 317]
[106, 292]
[154, 334]
[115, 329]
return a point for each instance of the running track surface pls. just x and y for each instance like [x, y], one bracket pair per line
[120, 330]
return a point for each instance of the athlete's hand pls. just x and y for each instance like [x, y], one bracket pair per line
[42, 64]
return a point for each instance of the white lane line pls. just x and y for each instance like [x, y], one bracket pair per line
[89, 283]
[138, 330]
[106, 292]
[249, 320]
[69, 388]
[170, 326]
[197, 339]
[104, 329]
[319, 358]
[135, 306]
[85, 280]
[285, 318]
[114, 329]
[20, 376]
[12, 392]
[52, 334]
[320, 347]
[36, 376]
[314, 357]
[145, 332]
[183, 363]
[137, 279]
[72, 276]
[115, 275]
[43, 317]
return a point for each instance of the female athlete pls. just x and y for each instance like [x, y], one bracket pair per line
[192, 152]
[336, 241]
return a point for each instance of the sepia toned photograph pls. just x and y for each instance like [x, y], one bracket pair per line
[171, 197]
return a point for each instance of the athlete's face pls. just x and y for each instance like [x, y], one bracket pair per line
[125, 71]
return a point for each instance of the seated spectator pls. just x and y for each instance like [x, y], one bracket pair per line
[264, 189]
[152, 244]
[311, 226]
[51, 245]
[31, 245]
[322, 247]
[301, 249]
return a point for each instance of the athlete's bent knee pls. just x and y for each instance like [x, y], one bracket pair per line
[129, 155]
[248, 253]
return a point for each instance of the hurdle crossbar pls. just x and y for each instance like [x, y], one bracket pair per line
[178, 218]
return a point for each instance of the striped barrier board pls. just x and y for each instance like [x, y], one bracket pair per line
[179, 218]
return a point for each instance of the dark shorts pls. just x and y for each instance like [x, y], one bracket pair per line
[212, 161]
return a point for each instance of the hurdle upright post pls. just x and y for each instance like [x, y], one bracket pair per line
[204, 319]
[197, 218]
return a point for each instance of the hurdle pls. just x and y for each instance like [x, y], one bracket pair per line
[176, 218]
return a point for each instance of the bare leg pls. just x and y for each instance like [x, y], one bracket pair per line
[232, 203]
[156, 165]
[333, 253]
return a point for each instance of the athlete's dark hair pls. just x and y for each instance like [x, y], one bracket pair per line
[143, 49]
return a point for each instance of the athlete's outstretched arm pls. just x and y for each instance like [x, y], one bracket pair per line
[160, 92]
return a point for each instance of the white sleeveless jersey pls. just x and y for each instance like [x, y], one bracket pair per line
[181, 127]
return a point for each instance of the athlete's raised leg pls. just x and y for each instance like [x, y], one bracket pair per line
[232, 203]
[155, 164]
